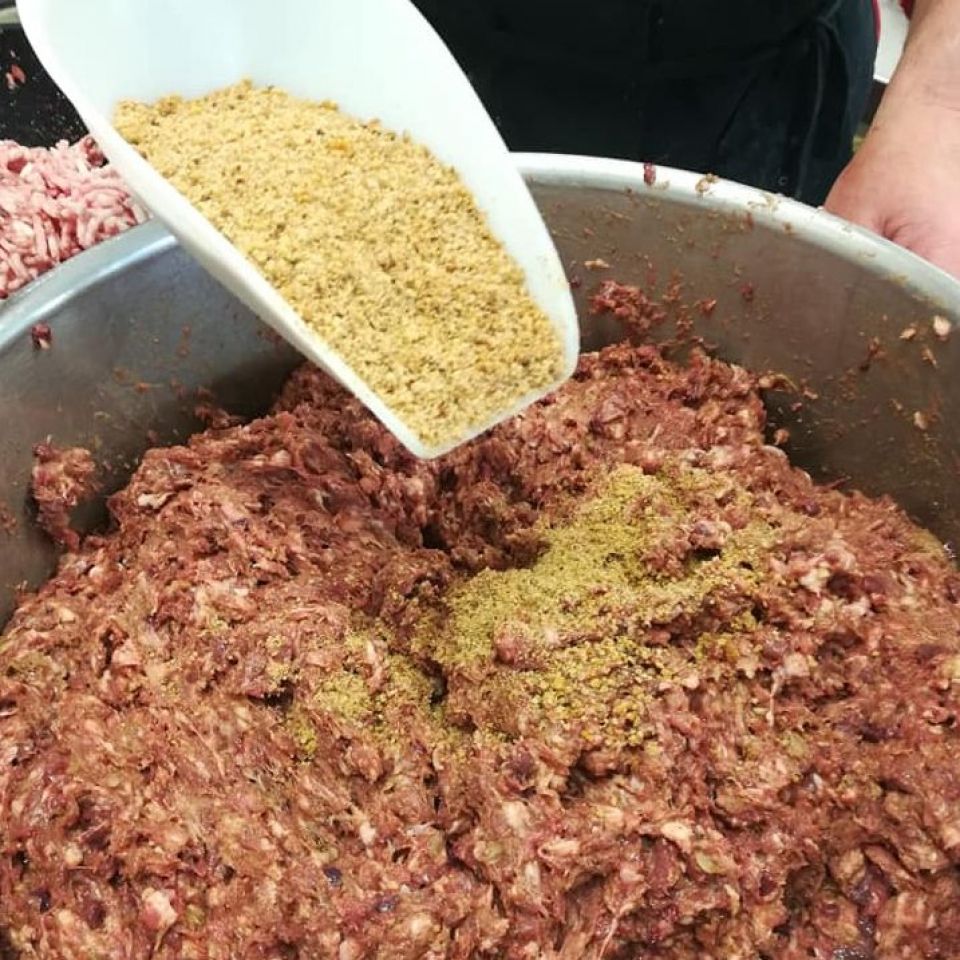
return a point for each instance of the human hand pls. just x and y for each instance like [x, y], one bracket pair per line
[904, 182]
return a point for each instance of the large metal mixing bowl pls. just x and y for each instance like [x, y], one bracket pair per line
[138, 328]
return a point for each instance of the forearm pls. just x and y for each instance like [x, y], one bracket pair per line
[918, 9]
[902, 183]
[929, 71]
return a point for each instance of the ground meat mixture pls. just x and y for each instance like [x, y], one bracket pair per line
[61, 480]
[613, 682]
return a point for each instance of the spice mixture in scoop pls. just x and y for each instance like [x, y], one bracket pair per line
[377, 245]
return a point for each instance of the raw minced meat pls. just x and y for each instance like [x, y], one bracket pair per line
[55, 203]
[61, 479]
[614, 681]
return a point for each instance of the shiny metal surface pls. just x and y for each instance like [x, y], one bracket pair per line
[138, 328]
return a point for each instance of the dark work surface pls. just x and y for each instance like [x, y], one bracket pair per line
[33, 113]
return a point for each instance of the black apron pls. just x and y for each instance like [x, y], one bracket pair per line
[766, 92]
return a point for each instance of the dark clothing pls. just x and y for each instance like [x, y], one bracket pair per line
[767, 92]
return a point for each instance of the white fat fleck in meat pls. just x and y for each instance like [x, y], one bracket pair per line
[72, 855]
[531, 876]
[734, 896]
[794, 666]
[153, 501]
[374, 660]
[126, 655]
[679, 833]
[350, 950]
[420, 926]
[859, 608]
[848, 867]
[157, 673]
[720, 458]
[233, 512]
[157, 913]
[560, 849]
[815, 579]
[907, 912]
[610, 818]
[517, 817]
[216, 897]
[840, 557]
[267, 893]
[950, 670]
[631, 874]
[367, 833]
[65, 614]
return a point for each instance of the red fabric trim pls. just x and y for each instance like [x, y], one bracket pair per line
[907, 6]
[876, 17]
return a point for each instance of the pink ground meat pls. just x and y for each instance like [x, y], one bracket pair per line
[53, 204]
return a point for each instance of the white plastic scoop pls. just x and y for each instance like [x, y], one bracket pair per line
[377, 59]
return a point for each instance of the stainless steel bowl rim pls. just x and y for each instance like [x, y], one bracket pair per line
[812, 224]
[817, 227]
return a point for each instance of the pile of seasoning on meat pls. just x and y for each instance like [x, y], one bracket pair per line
[615, 681]
[377, 245]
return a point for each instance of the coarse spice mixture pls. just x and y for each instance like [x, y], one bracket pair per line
[377, 245]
